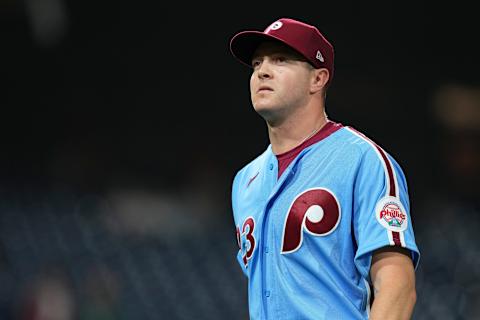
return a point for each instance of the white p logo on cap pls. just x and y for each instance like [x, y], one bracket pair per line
[274, 26]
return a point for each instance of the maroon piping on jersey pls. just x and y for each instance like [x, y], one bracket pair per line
[393, 191]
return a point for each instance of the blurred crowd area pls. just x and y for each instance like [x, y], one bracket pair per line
[118, 154]
[135, 255]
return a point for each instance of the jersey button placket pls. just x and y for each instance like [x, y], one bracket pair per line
[267, 280]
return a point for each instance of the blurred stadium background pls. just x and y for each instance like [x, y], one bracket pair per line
[124, 122]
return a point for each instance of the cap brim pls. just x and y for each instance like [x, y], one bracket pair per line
[244, 44]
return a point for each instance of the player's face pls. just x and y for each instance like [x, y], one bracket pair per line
[280, 82]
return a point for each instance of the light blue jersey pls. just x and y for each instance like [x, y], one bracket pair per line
[306, 239]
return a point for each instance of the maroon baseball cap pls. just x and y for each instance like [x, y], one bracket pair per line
[303, 38]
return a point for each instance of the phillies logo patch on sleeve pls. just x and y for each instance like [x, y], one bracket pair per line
[391, 214]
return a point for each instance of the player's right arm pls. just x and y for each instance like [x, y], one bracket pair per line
[237, 223]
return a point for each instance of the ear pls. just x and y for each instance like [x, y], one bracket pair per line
[319, 79]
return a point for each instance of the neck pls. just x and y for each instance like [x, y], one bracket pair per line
[293, 132]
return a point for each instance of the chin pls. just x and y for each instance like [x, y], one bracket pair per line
[261, 108]
[261, 105]
[267, 113]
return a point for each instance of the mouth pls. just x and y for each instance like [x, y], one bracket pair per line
[264, 89]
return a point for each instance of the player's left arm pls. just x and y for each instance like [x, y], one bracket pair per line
[393, 279]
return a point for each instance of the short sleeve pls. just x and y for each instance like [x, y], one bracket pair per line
[234, 195]
[381, 207]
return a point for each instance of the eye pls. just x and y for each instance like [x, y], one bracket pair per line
[255, 63]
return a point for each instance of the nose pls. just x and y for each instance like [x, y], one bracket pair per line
[264, 71]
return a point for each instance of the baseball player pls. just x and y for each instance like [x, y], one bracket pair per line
[322, 215]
